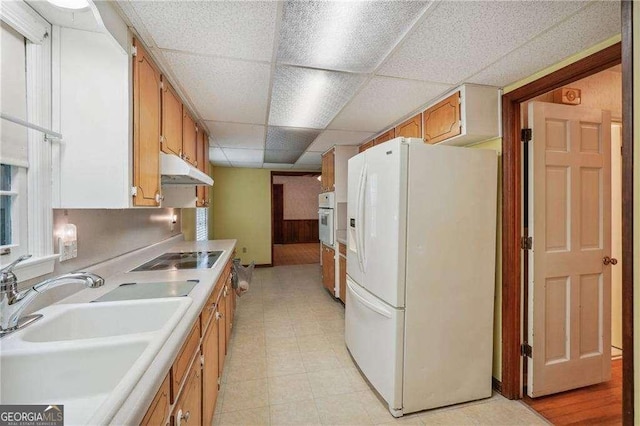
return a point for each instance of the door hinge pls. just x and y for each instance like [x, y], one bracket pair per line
[526, 350]
[134, 191]
[134, 51]
[526, 243]
[162, 85]
[161, 139]
[525, 135]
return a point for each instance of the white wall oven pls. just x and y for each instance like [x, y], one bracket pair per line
[326, 203]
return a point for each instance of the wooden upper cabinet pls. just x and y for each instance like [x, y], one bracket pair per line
[189, 138]
[412, 128]
[328, 178]
[365, 146]
[171, 120]
[386, 136]
[442, 121]
[202, 191]
[146, 129]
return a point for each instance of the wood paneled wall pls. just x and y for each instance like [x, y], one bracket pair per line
[300, 231]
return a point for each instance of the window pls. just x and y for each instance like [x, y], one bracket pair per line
[202, 224]
[25, 155]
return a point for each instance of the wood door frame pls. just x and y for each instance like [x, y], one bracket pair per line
[512, 279]
[282, 173]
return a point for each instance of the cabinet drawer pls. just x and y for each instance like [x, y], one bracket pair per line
[159, 409]
[181, 364]
[207, 311]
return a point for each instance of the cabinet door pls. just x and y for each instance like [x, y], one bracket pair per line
[328, 268]
[222, 332]
[201, 164]
[343, 279]
[188, 410]
[325, 173]
[386, 136]
[442, 121]
[171, 120]
[412, 128]
[146, 129]
[210, 371]
[331, 170]
[189, 137]
[365, 146]
[158, 411]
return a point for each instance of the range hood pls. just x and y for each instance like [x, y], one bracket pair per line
[176, 171]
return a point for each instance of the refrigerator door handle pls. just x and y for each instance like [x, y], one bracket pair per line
[360, 219]
[374, 307]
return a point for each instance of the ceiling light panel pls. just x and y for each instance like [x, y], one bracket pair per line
[344, 35]
[461, 37]
[289, 139]
[242, 30]
[383, 101]
[309, 98]
[310, 159]
[223, 89]
[598, 22]
[244, 155]
[276, 156]
[234, 135]
[329, 138]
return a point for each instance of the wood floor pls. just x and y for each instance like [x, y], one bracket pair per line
[296, 254]
[594, 405]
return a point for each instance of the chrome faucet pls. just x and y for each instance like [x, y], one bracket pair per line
[13, 302]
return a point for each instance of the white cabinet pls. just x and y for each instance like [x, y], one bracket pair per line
[92, 165]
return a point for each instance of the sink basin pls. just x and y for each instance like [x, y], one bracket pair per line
[79, 378]
[97, 320]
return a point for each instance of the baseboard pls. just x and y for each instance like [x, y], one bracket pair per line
[263, 265]
[497, 385]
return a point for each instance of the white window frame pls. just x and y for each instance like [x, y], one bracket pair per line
[39, 224]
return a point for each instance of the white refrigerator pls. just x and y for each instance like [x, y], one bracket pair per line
[421, 247]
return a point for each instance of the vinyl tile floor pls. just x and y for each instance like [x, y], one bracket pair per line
[287, 365]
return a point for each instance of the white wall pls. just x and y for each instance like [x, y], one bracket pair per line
[300, 196]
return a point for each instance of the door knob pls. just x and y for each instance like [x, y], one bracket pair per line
[609, 260]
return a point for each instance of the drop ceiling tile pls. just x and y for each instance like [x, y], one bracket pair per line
[234, 29]
[344, 35]
[287, 138]
[309, 98]
[310, 159]
[307, 167]
[460, 38]
[234, 135]
[223, 89]
[592, 25]
[244, 155]
[216, 154]
[383, 101]
[329, 138]
[221, 163]
[276, 156]
[276, 166]
[249, 165]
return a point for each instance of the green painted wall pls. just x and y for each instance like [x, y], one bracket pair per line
[241, 209]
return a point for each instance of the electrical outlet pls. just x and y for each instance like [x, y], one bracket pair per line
[244, 249]
[67, 250]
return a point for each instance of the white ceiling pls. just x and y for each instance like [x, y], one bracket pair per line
[277, 83]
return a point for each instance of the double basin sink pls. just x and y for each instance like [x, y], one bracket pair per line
[87, 356]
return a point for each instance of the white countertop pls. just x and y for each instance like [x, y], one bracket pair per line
[137, 402]
[341, 236]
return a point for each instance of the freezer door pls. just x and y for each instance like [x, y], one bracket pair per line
[374, 336]
[384, 225]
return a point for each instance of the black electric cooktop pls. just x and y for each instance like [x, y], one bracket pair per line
[181, 260]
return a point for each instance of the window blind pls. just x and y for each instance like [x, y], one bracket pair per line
[13, 101]
[202, 224]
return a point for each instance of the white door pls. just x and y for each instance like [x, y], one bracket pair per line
[355, 268]
[570, 221]
[385, 200]
[374, 336]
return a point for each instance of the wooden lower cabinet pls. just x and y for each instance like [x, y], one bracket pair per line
[194, 378]
[210, 372]
[188, 410]
[328, 268]
[158, 413]
[342, 272]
